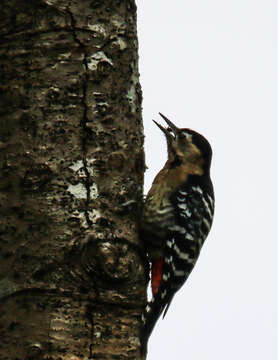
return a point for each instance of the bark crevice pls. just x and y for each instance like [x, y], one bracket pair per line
[85, 130]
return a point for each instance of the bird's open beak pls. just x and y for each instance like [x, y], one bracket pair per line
[172, 131]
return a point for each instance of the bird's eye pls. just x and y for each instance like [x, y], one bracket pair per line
[183, 135]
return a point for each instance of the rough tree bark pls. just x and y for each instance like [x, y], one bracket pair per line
[72, 282]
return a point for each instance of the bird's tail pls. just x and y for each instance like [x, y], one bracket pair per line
[151, 314]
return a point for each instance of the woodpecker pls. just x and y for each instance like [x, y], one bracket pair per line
[177, 217]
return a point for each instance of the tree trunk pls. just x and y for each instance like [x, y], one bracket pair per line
[73, 281]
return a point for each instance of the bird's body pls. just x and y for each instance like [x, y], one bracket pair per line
[177, 217]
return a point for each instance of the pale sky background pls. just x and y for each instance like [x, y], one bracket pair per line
[212, 65]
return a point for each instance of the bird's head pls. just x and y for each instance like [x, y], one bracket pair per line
[186, 145]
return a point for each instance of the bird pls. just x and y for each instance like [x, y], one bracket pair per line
[177, 217]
